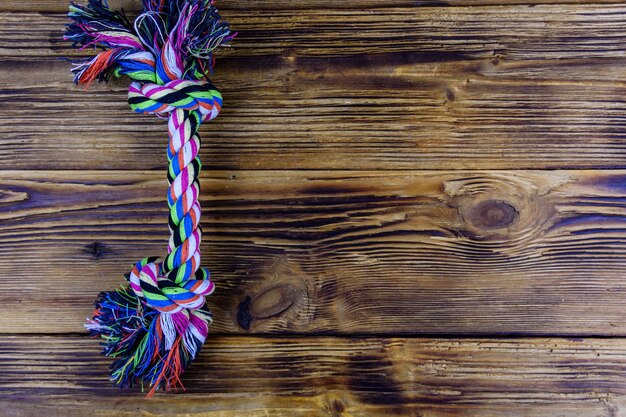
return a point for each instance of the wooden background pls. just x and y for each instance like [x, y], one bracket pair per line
[411, 208]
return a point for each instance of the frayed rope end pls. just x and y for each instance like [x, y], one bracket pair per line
[187, 31]
[148, 347]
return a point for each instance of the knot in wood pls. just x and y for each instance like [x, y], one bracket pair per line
[493, 214]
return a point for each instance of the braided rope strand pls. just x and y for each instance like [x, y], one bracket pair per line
[183, 257]
[157, 325]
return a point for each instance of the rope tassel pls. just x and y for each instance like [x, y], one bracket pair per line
[156, 325]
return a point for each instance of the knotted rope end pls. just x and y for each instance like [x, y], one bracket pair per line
[153, 338]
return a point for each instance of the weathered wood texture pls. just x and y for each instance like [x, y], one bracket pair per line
[403, 87]
[330, 377]
[497, 252]
[274, 5]
[381, 167]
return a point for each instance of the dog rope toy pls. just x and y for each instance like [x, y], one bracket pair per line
[156, 325]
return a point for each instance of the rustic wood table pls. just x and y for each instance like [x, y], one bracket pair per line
[411, 208]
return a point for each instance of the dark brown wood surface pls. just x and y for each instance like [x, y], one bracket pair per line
[351, 252]
[329, 377]
[393, 88]
[407, 205]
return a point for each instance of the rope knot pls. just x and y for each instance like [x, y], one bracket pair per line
[149, 282]
[150, 98]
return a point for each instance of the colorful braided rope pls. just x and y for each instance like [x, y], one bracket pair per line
[156, 326]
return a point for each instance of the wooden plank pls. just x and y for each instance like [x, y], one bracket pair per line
[512, 32]
[322, 376]
[415, 120]
[456, 90]
[354, 252]
[273, 5]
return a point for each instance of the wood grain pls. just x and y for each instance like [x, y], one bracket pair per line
[354, 252]
[330, 377]
[453, 89]
[274, 5]
[511, 32]
[382, 169]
